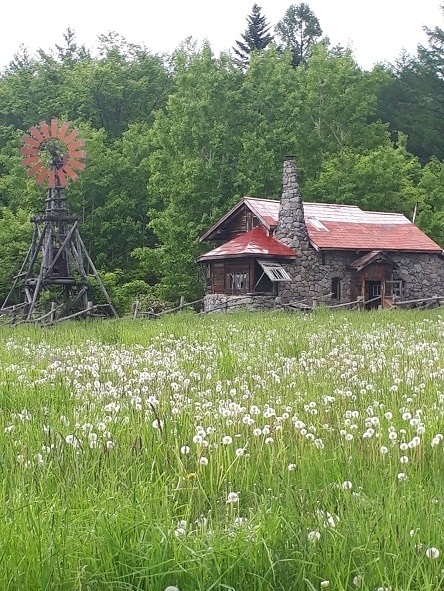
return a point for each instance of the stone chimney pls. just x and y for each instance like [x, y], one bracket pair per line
[291, 228]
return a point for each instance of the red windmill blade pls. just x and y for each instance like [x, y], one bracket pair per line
[52, 153]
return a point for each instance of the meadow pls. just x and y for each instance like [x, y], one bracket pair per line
[243, 452]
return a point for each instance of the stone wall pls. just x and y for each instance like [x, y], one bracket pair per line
[219, 302]
[312, 276]
[422, 274]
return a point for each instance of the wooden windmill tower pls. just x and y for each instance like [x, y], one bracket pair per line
[57, 268]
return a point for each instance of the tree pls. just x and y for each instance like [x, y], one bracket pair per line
[431, 212]
[385, 178]
[414, 103]
[196, 140]
[298, 31]
[338, 106]
[256, 36]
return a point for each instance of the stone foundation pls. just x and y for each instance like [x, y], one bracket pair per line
[219, 302]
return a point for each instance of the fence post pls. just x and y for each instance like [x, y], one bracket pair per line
[53, 309]
[182, 302]
[135, 309]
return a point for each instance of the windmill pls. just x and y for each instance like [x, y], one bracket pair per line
[57, 267]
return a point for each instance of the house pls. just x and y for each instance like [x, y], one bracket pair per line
[274, 253]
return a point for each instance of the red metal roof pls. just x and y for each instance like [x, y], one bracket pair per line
[256, 242]
[343, 227]
[354, 236]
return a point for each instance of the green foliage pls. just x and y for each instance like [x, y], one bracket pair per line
[413, 103]
[384, 179]
[15, 237]
[431, 211]
[196, 140]
[298, 30]
[339, 103]
[256, 36]
[123, 295]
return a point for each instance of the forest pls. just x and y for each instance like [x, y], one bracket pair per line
[174, 140]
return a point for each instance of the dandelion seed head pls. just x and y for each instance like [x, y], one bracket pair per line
[232, 498]
[313, 536]
[432, 553]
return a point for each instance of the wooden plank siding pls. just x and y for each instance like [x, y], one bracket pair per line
[377, 272]
[220, 274]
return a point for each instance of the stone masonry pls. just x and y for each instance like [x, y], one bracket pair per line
[305, 272]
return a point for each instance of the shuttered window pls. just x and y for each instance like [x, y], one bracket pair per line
[274, 271]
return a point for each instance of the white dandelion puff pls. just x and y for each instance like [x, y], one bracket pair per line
[232, 498]
[314, 536]
[432, 552]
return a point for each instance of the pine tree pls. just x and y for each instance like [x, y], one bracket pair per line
[256, 36]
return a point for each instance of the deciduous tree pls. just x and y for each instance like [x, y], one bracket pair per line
[298, 30]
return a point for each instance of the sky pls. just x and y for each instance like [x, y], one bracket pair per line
[376, 31]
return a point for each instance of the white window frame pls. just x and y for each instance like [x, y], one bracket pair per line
[274, 271]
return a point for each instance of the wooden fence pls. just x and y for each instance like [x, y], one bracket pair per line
[12, 314]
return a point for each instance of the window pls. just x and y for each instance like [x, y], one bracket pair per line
[274, 271]
[237, 281]
[208, 275]
[376, 290]
[393, 289]
[336, 288]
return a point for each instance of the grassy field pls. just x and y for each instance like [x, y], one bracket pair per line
[233, 452]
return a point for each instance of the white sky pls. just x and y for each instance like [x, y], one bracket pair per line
[376, 31]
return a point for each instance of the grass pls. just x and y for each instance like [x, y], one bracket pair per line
[267, 452]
